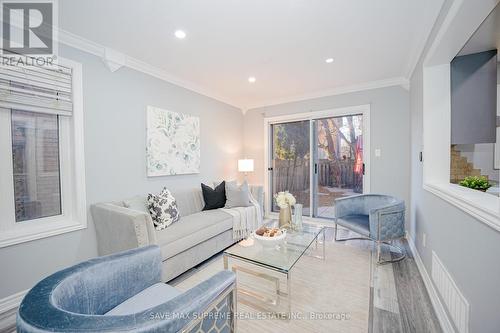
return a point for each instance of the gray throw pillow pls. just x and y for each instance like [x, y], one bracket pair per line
[138, 203]
[163, 209]
[237, 196]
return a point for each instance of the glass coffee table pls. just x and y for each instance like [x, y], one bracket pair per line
[263, 262]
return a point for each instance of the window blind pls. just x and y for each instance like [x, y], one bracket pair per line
[36, 89]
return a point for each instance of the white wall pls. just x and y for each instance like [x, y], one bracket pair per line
[467, 247]
[115, 158]
[390, 132]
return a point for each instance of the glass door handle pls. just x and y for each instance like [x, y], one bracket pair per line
[316, 168]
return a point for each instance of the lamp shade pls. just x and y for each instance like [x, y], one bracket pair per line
[245, 165]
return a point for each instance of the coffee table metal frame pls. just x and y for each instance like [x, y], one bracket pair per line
[263, 300]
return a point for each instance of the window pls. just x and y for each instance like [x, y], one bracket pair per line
[35, 159]
[462, 20]
[41, 152]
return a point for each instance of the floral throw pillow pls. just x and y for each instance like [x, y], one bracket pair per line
[163, 209]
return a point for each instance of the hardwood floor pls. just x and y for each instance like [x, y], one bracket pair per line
[399, 301]
[415, 308]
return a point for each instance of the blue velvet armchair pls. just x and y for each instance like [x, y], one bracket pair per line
[123, 292]
[380, 218]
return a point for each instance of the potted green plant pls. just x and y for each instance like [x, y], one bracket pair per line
[476, 183]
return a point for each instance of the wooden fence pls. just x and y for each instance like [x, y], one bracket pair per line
[336, 174]
[293, 175]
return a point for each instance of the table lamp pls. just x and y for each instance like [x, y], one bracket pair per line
[245, 165]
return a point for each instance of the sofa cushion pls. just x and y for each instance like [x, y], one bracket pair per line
[138, 203]
[357, 223]
[214, 197]
[157, 294]
[192, 230]
[163, 209]
[189, 201]
[237, 196]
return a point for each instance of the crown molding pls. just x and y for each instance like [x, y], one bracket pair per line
[81, 43]
[115, 60]
[397, 81]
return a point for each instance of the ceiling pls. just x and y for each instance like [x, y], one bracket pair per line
[486, 37]
[282, 43]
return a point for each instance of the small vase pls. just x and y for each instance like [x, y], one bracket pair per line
[285, 217]
[297, 217]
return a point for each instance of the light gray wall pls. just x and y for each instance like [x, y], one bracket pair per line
[474, 98]
[115, 160]
[390, 132]
[468, 248]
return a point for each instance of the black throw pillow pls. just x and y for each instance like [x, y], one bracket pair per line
[214, 198]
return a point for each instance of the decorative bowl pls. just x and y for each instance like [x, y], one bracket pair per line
[266, 241]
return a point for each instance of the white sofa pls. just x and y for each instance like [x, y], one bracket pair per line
[197, 236]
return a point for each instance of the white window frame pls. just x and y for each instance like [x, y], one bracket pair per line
[72, 175]
[462, 21]
[337, 112]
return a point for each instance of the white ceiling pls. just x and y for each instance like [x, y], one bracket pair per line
[486, 37]
[283, 43]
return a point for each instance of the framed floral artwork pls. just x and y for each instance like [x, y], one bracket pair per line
[173, 143]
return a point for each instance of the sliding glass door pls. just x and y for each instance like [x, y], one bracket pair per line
[291, 161]
[318, 160]
[338, 161]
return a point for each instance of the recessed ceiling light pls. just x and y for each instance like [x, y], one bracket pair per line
[329, 60]
[180, 34]
[252, 79]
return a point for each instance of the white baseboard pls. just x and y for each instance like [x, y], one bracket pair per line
[8, 310]
[442, 315]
